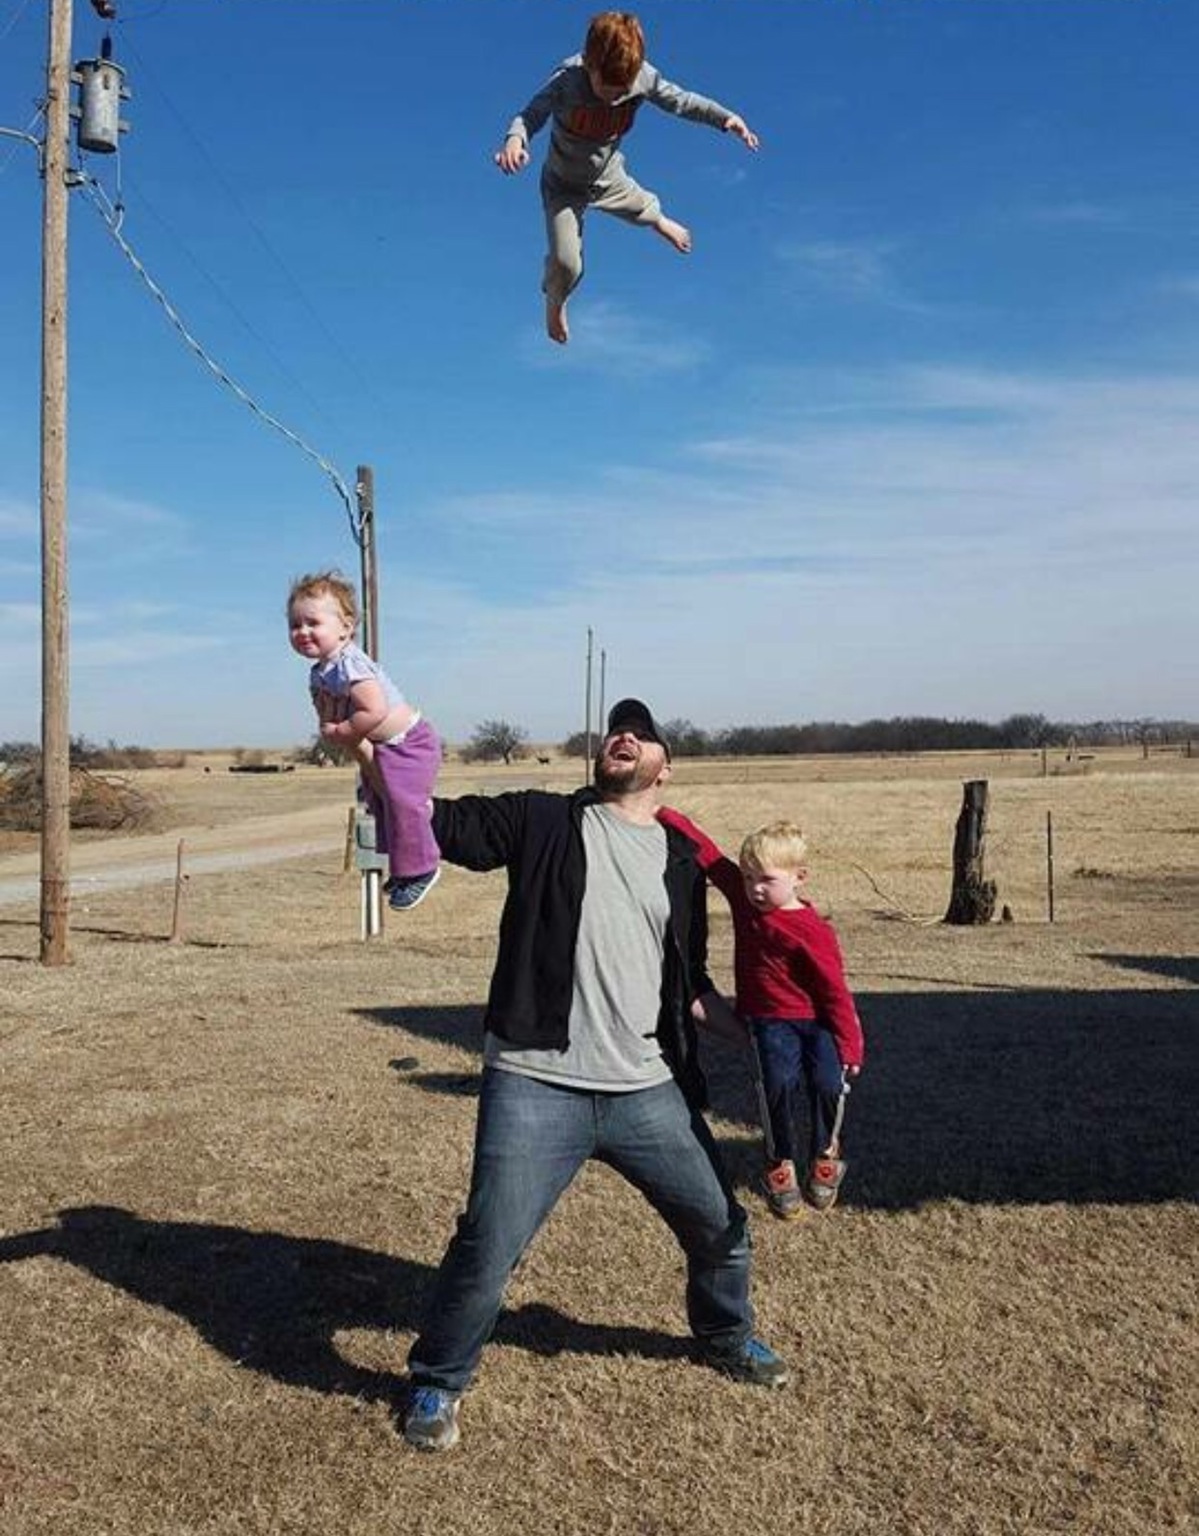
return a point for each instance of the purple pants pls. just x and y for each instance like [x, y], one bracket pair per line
[408, 769]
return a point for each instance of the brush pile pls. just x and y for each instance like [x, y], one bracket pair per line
[99, 803]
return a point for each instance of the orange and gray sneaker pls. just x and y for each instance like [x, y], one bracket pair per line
[824, 1182]
[781, 1188]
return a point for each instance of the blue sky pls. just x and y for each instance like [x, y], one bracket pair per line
[913, 430]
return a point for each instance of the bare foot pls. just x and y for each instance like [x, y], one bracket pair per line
[555, 321]
[678, 234]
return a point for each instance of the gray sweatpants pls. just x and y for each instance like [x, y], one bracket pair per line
[565, 203]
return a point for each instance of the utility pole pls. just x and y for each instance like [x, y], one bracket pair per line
[370, 862]
[365, 492]
[56, 739]
[587, 703]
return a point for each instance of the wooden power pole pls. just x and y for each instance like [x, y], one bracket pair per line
[56, 738]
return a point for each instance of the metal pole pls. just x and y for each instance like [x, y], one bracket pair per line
[1049, 859]
[56, 739]
[587, 706]
[365, 490]
[372, 879]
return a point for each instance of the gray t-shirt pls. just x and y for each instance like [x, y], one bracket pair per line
[613, 1044]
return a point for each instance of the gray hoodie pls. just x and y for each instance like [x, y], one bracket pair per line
[587, 131]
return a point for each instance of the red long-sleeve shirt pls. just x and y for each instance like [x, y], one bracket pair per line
[787, 962]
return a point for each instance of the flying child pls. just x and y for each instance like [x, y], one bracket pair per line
[593, 99]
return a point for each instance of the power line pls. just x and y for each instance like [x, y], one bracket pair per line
[110, 216]
[222, 181]
[28, 133]
[22, 7]
[230, 304]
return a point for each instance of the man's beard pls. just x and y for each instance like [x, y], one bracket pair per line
[615, 777]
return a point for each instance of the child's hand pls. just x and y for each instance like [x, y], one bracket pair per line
[851, 1072]
[513, 157]
[743, 131]
[364, 752]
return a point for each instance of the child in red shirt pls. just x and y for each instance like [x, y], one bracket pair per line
[791, 989]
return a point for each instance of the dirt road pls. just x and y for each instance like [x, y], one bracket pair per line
[122, 863]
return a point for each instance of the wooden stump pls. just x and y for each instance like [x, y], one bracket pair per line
[973, 897]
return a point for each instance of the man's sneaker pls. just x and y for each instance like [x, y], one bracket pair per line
[431, 1422]
[824, 1181]
[405, 893]
[752, 1362]
[781, 1188]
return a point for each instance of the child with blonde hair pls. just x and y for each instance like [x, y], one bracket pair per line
[359, 707]
[593, 99]
[791, 989]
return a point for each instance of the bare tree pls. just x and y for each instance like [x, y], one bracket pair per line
[495, 738]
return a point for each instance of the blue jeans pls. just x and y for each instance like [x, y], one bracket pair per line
[797, 1060]
[531, 1139]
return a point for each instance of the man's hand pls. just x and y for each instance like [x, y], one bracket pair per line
[515, 155]
[738, 125]
[711, 1010]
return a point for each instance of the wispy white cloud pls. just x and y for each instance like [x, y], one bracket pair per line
[19, 617]
[1077, 211]
[93, 513]
[18, 519]
[936, 539]
[128, 647]
[1184, 283]
[606, 338]
[918, 469]
[857, 271]
[135, 613]
[931, 539]
[726, 175]
[101, 513]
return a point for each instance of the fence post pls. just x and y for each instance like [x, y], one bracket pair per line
[177, 914]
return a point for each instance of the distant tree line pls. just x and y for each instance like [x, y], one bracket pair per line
[908, 733]
[89, 754]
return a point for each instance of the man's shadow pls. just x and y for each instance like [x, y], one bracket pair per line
[994, 1096]
[275, 1303]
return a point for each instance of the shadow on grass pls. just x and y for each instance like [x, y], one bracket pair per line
[1179, 967]
[274, 1303]
[120, 935]
[992, 1096]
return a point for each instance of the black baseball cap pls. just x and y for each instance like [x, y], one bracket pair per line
[633, 715]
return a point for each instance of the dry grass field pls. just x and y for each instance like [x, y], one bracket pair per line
[230, 1165]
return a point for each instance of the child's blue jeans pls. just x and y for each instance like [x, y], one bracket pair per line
[798, 1068]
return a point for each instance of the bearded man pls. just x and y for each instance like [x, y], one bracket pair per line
[590, 1052]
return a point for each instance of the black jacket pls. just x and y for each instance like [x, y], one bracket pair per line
[538, 838]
